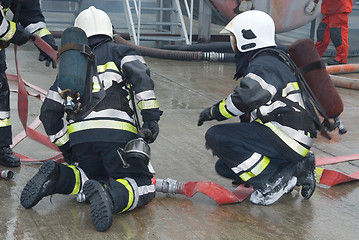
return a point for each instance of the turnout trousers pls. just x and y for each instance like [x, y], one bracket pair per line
[334, 27]
[129, 187]
[5, 123]
[247, 153]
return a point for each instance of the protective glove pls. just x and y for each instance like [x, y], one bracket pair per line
[310, 8]
[51, 41]
[205, 116]
[21, 36]
[154, 128]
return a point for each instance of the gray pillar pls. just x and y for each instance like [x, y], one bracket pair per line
[204, 22]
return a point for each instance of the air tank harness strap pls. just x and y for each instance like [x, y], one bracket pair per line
[85, 49]
[298, 120]
[311, 67]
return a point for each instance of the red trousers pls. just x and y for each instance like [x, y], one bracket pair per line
[334, 27]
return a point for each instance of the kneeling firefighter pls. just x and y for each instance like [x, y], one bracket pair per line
[269, 148]
[102, 134]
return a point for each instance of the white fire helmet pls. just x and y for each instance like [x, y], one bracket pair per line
[94, 22]
[251, 30]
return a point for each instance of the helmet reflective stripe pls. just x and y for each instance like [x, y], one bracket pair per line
[252, 30]
[94, 22]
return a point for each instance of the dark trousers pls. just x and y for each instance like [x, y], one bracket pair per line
[5, 130]
[236, 142]
[100, 161]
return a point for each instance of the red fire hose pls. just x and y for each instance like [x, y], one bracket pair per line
[215, 191]
[224, 196]
[29, 130]
[331, 177]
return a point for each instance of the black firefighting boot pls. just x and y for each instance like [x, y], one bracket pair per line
[101, 204]
[279, 184]
[305, 172]
[41, 185]
[7, 158]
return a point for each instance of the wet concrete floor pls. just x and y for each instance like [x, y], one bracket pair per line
[183, 89]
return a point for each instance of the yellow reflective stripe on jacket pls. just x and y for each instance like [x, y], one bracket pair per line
[147, 104]
[107, 66]
[77, 186]
[42, 32]
[96, 87]
[223, 110]
[5, 122]
[256, 170]
[62, 140]
[292, 86]
[95, 124]
[294, 145]
[127, 185]
[10, 33]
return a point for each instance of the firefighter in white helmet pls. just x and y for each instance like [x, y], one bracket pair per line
[94, 140]
[269, 148]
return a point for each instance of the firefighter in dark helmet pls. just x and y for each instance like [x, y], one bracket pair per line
[94, 140]
[269, 148]
[27, 20]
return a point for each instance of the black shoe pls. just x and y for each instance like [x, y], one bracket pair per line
[41, 185]
[277, 186]
[334, 62]
[306, 175]
[101, 204]
[7, 158]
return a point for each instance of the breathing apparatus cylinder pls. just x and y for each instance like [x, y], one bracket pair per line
[73, 65]
[307, 59]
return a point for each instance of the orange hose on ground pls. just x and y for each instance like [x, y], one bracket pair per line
[343, 68]
[344, 82]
